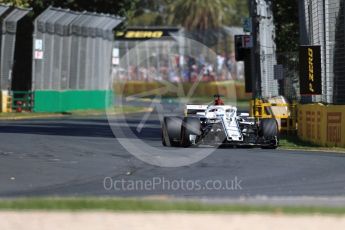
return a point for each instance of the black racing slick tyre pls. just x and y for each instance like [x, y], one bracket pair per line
[268, 127]
[171, 131]
[190, 126]
[269, 132]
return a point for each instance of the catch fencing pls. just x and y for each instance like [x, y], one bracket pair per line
[266, 49]
[9, 19]
[283, 68]
[322, 22]
[72, 50]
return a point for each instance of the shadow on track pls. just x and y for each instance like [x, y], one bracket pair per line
[59, 128]
[80, 127]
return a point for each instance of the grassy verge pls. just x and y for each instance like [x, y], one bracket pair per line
[241, 104]
[117, 110]
[24, 114]
[294, 143]
[144, 205]
[30, 115]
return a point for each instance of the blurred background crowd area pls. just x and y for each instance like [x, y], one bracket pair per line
[182, 68]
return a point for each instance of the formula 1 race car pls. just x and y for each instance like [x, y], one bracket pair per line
[218, 124]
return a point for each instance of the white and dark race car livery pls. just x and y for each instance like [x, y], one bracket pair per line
[217, 124]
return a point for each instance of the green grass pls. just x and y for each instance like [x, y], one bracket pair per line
[241, 104]
[144, 205]
[23, 114]
[293, 142]
[129, 109]
[122, 109]
[28, 115]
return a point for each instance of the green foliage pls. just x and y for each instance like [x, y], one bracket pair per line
[287, 27]
[192, 14]
[198, 14]
[18, 3]
[239, 10]
[118, 7]
[149, 13]
[146, 205]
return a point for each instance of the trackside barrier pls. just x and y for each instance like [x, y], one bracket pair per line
[322, 124]
[229, 89]
[22, 101]
[6, 101]
[284, 113]
[72, 50]
[68, 100]
[9, 18]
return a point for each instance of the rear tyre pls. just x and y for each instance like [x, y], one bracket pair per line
[171, 131]
[190, 126]
[269, 133]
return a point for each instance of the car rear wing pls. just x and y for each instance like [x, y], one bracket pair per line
[194, 109]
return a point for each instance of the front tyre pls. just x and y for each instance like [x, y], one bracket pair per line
[272, 144]
[171, 131]
[190, 128]
[269, 133]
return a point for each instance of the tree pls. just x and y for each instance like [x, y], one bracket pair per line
[286, 22]
[236, 12]
[149, 13]
[189, 13]
[19, 3]
[117, 7]
[198, 14]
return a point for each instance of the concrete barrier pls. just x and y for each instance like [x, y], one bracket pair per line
[322, 124]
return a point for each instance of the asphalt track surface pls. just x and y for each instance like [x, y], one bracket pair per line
[72, 156]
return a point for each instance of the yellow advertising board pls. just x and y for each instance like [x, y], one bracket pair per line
[322, 124]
